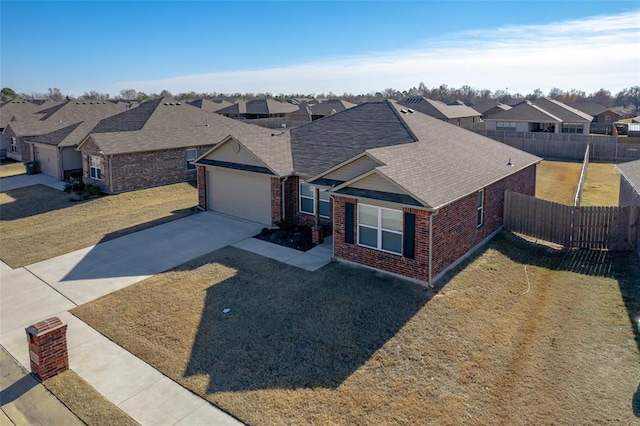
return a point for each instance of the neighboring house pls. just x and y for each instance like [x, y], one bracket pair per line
[153, 144]
[315, 110]
[490, 107]
[629, 183]
[51, 140]
[16, 111]
[541, 115]
[399, 191]
[460, 115]
[599, 113]
[258, 108]
[209, 106]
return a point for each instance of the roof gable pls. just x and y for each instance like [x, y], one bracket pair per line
[631, 172]
[329, 141]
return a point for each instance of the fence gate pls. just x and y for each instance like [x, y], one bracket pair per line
[610, 228]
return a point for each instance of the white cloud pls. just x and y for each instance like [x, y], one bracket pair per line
[588, 54]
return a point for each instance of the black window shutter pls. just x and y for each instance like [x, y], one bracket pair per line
[349, 209]
[409, 235]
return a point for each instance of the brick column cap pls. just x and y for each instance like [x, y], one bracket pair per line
[44, 326]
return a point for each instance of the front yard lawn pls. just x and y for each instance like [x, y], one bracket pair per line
[38, 222]
[11, 168]
[524, 334]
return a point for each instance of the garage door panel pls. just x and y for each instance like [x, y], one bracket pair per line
[240, 194]
[47, 158]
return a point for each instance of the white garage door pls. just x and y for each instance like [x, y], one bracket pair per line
[241, 194]
[47, 158]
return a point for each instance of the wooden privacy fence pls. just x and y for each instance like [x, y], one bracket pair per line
[610, 228]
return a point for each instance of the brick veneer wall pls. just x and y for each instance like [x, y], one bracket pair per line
[140, 169]
[292, 208]
[202, 187]
[628, 195]
[455, 230]
[276, 200]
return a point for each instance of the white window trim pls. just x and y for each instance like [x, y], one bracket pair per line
[13, 148]
[480, 209]
[194, 157]
[313, 199]
[379, 228]
[93, 168]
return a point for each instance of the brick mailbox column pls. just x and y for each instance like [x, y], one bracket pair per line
[48, 347]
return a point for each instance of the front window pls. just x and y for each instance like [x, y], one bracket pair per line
[95, 165]
[509, 126]
[572, 128]
[308, 204]
[14, 145]
[480, 208]
[607, 119]
[380, 228]
[192, 154]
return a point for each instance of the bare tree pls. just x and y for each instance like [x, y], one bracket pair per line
[55, 94]
[602, 97]
[128, 94]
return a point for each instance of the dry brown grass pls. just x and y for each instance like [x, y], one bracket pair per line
[38, 222]
[557, 181]
[85, 402]
[347, 346]
[602, 185]
[11, 168]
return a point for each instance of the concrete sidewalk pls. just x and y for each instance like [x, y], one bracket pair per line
[14, 182]
[24, 401]
[53, 287]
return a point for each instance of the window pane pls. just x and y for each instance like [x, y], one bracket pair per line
[480, 198]
[392, 219]
[391, 242]
[324, 196]
[367, 215]
[368, 236]
[191, 154]
[324, 209]
[479, 218]
[306, 205]
[306, 190]
[98, 176]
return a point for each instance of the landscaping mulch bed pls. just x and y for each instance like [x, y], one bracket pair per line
[520, 334]
[292, 236]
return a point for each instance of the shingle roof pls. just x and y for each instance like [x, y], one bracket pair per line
[439, 109]
[485, 106]
[258, 106]
[56, 137]
[331, 106]
[166, 124]
[590, 108]
[210, 106]
[329, 141]
[631, 172]
[447, 162]
[22, 111]
[564, 112]
[525, 111]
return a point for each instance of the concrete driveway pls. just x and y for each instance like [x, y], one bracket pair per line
[92, 272]
[20, 181]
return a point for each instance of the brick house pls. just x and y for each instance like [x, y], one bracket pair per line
[50, 136]
[153, 144]
[541, 115]
[458, 114]
[399, 191]
[14, 111]
[599, 113]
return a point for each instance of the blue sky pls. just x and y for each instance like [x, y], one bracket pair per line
[315, 47]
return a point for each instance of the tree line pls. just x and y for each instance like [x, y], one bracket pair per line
[628, 97]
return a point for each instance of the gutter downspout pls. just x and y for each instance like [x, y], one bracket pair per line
[430, 284]
[110, 175]
[282, 201]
